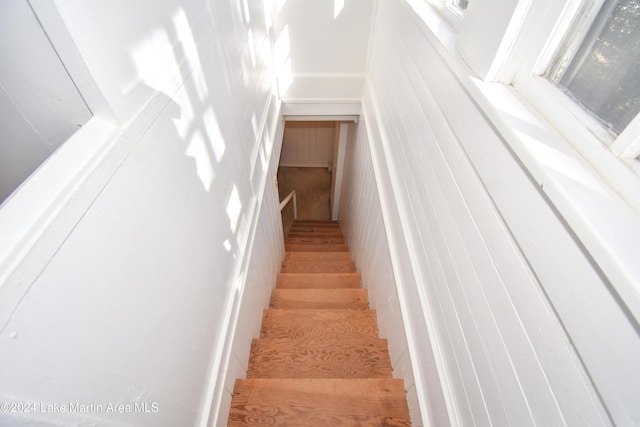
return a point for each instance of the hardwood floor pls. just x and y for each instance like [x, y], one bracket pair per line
[319, 360]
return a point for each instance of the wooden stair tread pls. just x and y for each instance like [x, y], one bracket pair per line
[318, 280]
[319, 402]
[314, 230]
[327, 240]
[329, 256]
[318, 265]
[317, 262]
[319, 323]
[319, 360]
[306, 234]
[329, 358]
[315, 224]
[315, 221]
[310, 247]
[319, 298]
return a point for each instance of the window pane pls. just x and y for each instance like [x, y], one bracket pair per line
[604, 74]
[461, 4]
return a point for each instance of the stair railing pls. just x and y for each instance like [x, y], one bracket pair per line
[287, 199]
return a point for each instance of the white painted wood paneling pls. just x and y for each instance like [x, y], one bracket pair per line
[259, 273]
[321, 49]
[431, 409]
[321, 111]
[366, 228]
[139, 301]
[526, 329]
[325, 89]
[308, 144]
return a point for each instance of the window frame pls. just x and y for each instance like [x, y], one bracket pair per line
[625, 147]
[444, 11]
[529, 44]
[614, 158]
[590, 190]
[455, 8]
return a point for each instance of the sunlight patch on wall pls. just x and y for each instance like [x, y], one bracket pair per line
[190, 48]
[338, 6]
[561, 163]
[234, 208]
[161, 62]
[255, 126]
[285, 77]
[247, 14]
[268, 142]
[282, 60]
[252, 47]
[537, 138]
[249, 65]
[154, 61]
[197, 149]
[263, 154]
[183, 121]
[279, 5]
[281, 48]
[214, 134]
[268, 10]
[256, 148]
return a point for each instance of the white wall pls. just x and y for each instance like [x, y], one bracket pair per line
[308, 144]
[365, 229]
[258, 274]
[136, 302]
[321, 50]
[525, 326]
[39, 104]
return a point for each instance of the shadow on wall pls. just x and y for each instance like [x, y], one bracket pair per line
[163, 246]
[217, 116]
[202, 115]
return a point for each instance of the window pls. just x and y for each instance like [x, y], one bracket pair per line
[458, 6]
[580, 71]
[601, 75]
[577, 63]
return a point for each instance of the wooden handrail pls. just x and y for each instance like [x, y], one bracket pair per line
[287, 199]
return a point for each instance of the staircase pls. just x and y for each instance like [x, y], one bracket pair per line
[319, 360]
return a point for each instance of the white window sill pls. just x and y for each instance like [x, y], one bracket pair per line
[603, 222]
[606, 225]
[440, 21]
